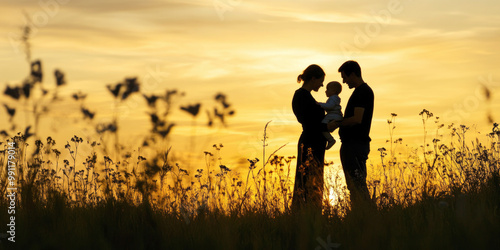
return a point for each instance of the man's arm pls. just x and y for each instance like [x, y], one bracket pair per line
[357, 118]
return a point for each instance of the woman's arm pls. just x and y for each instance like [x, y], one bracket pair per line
[306, 111]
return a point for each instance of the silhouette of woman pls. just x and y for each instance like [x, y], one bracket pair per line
[308, 188]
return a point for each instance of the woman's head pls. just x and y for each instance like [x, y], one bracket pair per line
[313, 77]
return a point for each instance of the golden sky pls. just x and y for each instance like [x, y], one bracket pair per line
[436, 55]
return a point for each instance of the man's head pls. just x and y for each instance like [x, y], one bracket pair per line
[351, 74]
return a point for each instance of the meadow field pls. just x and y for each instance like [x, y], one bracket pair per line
[97, 193]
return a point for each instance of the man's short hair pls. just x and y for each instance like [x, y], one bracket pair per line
[350, 67]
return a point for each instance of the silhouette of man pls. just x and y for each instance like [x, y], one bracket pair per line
[354, 133]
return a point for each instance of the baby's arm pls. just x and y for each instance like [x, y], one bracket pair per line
[331, 103]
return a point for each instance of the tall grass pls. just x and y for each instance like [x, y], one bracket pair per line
[445, 197]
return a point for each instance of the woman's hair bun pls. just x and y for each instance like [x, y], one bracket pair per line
[299, 78]
[311, 71]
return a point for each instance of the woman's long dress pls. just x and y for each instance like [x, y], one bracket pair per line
[308, 188]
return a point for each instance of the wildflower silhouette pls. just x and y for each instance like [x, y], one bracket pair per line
[60, 80]
[87, 113]
[27, 134]
[114, 90]
[36, 72]
[131, 86]
[192, 109]
[151, 100]
[10, 111]
[220, 112]
[14, 92]
[79, 96]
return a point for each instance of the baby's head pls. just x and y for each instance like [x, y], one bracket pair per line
[333, 88]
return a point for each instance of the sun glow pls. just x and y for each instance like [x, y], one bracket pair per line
[332, 196]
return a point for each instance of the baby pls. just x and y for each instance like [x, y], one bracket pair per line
[332, 108]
